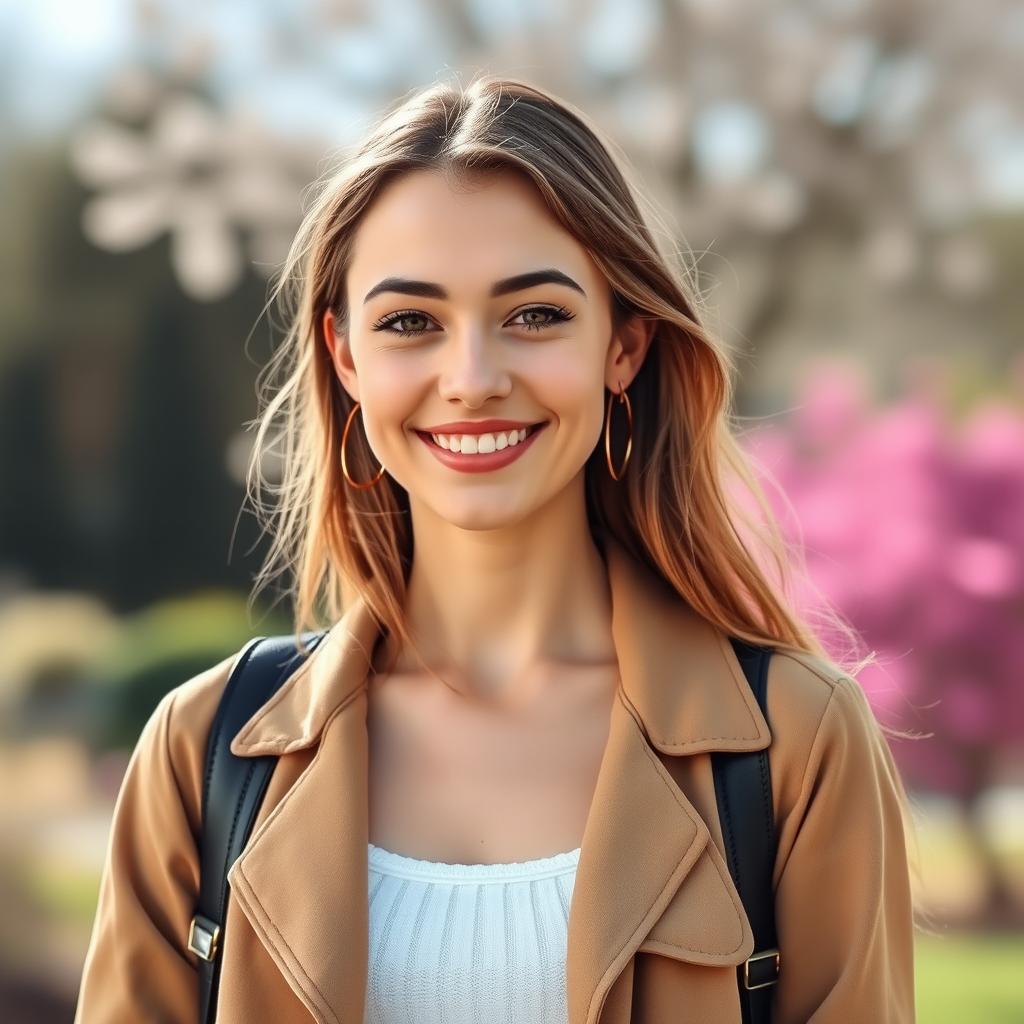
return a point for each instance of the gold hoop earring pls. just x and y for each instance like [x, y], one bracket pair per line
[344, 459]
[623, 399]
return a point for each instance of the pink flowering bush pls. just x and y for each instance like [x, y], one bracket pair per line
[913, 528]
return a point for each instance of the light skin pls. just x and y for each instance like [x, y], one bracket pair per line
[508, 592]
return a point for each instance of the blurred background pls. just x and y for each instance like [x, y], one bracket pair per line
[850, 177]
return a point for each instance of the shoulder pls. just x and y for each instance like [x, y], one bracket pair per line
[171, 750]
[818, 716]
[192, 704]
[806, 691]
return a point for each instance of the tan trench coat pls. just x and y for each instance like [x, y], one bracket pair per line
[655, 927]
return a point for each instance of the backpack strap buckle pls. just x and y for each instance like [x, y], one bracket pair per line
[766, 971]
[204, 937]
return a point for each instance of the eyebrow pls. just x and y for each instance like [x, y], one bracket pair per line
[430, 290]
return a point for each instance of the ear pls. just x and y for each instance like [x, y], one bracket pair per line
[627, 351]
[337, 342]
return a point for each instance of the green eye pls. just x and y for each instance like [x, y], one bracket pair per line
[558, 315]
[393, 318]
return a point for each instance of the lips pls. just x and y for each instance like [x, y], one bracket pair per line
[482, 463]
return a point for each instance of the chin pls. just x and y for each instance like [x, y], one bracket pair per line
[482, 518]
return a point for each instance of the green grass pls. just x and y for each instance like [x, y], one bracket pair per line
[964, 979]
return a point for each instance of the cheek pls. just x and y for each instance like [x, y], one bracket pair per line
[571, 388]
[393, 393]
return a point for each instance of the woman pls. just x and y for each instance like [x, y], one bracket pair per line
[493, 798]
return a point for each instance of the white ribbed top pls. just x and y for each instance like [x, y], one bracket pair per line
[468, 943]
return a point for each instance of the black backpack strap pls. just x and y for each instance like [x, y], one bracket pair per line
[743, 789]
[233, 789]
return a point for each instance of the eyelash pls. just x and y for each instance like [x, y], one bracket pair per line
[559, 315]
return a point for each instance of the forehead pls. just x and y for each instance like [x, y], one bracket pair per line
[492, 225]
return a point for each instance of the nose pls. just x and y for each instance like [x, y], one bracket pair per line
[472, 368]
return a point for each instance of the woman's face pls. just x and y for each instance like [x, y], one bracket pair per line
[505, 317]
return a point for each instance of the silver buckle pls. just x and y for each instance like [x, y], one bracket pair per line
[766, 954]
[203, 937]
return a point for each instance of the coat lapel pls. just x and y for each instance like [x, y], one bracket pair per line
[649, 877]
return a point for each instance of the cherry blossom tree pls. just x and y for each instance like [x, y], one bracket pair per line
[888, 127]
[912, 521]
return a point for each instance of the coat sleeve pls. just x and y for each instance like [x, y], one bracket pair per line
[138, 966]
[844, 911]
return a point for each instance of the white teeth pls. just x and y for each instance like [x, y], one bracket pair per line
[482, 444]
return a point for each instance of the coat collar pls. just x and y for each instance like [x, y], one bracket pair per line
[678, 672]
[682, 692]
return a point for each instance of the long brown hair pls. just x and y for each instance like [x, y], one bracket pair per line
[676, 508]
